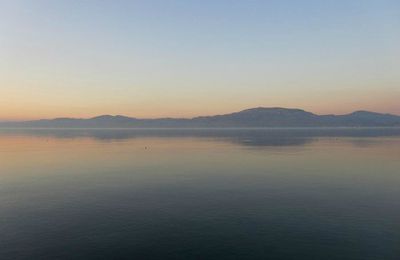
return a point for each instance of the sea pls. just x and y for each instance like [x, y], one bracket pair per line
[266, 193]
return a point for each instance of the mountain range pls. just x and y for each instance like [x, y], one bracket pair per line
[254, 117]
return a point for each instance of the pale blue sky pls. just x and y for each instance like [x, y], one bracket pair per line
[185, 58]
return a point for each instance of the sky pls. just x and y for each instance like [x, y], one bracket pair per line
[185, 58]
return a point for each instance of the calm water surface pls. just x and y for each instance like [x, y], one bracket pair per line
[200, 194]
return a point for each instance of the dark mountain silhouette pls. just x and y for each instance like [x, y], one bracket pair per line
[255, 117]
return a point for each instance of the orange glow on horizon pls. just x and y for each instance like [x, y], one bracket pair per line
[31, 114]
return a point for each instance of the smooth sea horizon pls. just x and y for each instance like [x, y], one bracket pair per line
[271, 193]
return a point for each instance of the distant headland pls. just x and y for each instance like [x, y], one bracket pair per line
[254, 117]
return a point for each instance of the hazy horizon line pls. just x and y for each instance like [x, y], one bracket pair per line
[188, 118]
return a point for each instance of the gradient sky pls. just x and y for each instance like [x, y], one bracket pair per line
[186, 58]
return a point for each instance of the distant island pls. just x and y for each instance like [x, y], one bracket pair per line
[254, 117]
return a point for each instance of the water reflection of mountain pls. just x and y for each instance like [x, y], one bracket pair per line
[257, 137]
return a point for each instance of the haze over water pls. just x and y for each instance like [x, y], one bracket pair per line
[200, 194]
[191, 169]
